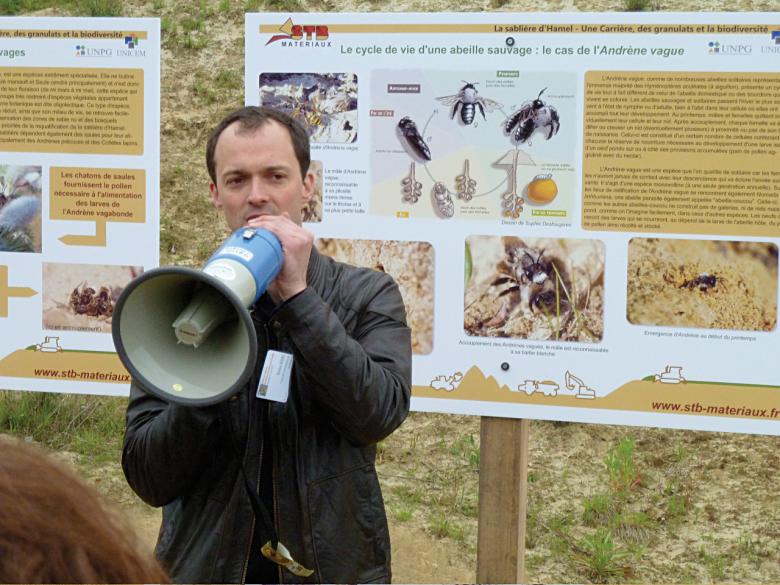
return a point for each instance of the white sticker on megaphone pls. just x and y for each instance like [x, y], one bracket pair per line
[275, 378]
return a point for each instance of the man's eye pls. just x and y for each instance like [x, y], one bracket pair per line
[278, 177]
[234, 180]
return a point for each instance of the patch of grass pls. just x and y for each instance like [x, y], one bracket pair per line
[228, 79]
[203, 90]
[676, 507]
[637, 5]
[403, 514]
[91, 426]
[284, 6]
[621, 467]
[442, 526]
[598, 509]
[715, 564]
[601, 558]
[99, 7]
[633, 527]
[466, 448]
[193, 41]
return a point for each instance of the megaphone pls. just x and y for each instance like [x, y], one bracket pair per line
[186, 335]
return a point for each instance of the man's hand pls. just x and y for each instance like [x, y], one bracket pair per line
[296, 245]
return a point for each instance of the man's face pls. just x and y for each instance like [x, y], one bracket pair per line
[257, 174]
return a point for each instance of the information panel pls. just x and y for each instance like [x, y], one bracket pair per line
[79, 193]
[581, 210]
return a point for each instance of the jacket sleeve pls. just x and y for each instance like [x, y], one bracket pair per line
[362, 379]
[165, 446]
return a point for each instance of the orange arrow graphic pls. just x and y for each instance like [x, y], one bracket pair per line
[7, 292]
[98, 240]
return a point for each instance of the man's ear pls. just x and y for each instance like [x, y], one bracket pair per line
[215, 195]
[308, 186]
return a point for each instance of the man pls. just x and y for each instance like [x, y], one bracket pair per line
[311, 459]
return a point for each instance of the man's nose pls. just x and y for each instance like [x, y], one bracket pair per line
[258, 194]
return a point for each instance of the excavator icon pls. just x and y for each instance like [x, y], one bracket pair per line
[574, 383]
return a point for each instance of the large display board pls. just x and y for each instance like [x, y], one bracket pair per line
[79, 193]
[581, 209]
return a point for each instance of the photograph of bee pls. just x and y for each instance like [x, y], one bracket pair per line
[324, 103]
[312, 209]
[81, 297]
[409, 263]
[534, 288]
[20, 208]
[702, 283]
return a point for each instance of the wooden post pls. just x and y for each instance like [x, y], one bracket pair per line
[503, 492]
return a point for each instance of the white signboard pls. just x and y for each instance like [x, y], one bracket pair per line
[79, 193]
[581, 210]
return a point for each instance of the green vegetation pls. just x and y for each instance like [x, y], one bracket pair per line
[71, 7]
[90, 426]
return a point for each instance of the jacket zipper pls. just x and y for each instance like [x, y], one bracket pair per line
[259, 469]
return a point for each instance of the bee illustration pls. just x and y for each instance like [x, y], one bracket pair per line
[468, 100]
[530, 278]
[412, 141]
[532, 116]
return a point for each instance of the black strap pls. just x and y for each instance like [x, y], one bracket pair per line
[262, 515]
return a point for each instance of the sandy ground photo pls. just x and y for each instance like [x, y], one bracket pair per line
[409, 263]
[312, 209]
[702, 283]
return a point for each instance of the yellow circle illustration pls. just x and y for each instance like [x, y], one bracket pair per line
[542, 189]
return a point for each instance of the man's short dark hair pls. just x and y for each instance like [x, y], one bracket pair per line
[250, 119]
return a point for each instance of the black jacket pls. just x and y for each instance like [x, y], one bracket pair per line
[350, 387]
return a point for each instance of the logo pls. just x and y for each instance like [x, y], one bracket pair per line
[132, 41]
[302, 35]
[718, 48]
[85, 51]
[774, 47]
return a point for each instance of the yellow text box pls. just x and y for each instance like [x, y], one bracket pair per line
[83, 111]
[98, 194]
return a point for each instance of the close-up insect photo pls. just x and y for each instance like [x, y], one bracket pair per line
[82, 297]
[534, 288]
[702, 283]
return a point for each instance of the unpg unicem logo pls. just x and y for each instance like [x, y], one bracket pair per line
[718, 48]
[83, 50]
[302, 35]
[131, 47]
[774, 47]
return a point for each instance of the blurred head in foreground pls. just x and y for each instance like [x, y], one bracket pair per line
[55, 528]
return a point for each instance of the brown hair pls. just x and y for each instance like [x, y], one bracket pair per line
[55, 528]
[250, 118]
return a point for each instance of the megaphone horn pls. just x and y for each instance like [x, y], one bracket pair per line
[186, 335]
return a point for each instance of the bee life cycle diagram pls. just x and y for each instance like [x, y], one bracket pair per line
[579, 210]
